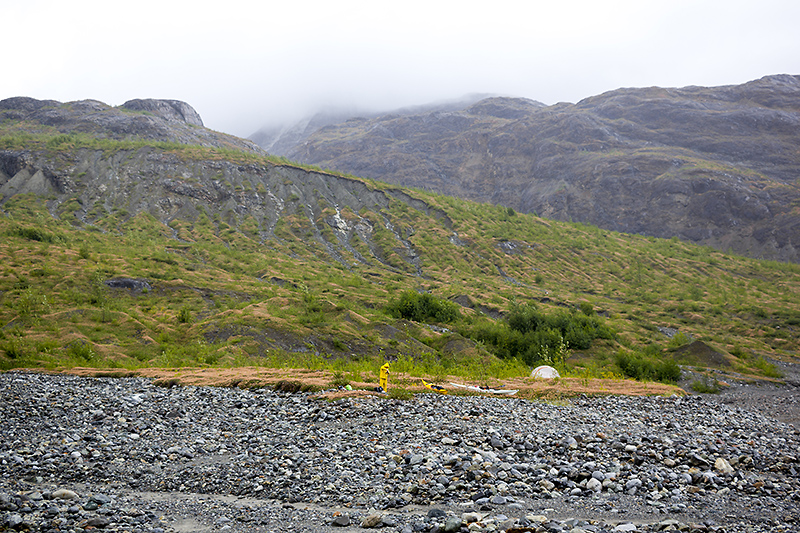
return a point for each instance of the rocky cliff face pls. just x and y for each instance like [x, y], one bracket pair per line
[715, 166]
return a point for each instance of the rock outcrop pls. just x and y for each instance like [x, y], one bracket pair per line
[167, 109]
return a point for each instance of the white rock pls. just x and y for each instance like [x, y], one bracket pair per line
[723, 466]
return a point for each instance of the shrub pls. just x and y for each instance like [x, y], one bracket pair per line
[705, 386]
[339, 380]
[184, 315]
[767, 369]
[81, 350]
[678, 340]
[643, 367]
[32, 304]
[533, 336]
[36, 234]
[14, 350]
[424, 307]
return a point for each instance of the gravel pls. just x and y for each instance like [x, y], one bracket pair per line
[80, 454]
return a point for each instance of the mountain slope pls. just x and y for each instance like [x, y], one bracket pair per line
[144, 251]
[715, 166]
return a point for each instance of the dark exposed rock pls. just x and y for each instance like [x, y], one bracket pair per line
[129, 283]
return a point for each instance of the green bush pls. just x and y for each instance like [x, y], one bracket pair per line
[767, 369]
[640, 366]
[705, 386]
[36, 234]
[81, 350]
[535, 336]
[14, 349]
[424, 307]
[184, 315]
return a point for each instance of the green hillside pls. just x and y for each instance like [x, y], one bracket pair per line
[457, 287]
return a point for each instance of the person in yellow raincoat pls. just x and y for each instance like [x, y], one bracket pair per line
[384, 381]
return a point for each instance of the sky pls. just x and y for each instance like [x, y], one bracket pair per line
[246, 64]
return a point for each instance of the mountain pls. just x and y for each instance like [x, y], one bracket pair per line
[715, 166]
[133, 236]
[282, 138]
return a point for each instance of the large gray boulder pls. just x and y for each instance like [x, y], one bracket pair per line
[172, 110]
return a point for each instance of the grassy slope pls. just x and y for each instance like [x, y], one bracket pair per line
[212, 301]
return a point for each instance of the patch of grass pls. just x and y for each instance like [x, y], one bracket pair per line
[81, 350]
[294, 387]
[339, 380]
[767, 369]
[706, 386]
[399, 393]
[167, 383]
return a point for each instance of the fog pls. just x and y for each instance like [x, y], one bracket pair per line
[243, 65]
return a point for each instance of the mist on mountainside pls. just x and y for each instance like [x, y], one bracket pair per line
[280, 136]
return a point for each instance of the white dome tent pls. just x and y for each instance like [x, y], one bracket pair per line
[545, 372]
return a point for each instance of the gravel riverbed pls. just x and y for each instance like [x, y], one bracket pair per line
[81, 454]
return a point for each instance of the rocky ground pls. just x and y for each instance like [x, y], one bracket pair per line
[78, 454]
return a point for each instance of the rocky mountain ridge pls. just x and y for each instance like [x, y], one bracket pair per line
[141, 119]
[715, 166]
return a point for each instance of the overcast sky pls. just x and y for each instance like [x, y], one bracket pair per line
[242, 64]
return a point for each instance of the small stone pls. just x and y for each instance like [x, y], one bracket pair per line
[625, 527]
[668, 524]
[100, 499]
[14, 521]
[594, 484]
[452, 524]
[64, 494]
[723, 467]
[371, 521]
[97, 521]
[546, 484]
[341, 521]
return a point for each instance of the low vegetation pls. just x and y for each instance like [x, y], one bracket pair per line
[513, 291]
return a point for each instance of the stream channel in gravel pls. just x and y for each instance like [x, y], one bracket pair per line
[85, 454]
